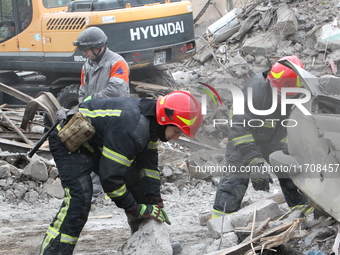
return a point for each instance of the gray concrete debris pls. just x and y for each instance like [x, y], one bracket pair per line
[167, 170]
[264, 209]
[215, 226]
[152, 238]
[266, 19]
[19, 189]
[228, 240]
[168, 155]
[55, 189]
[318, 233]
[238, 66]
[31, 196]
[287, 23]
[330, 84]
[5, 169]
[53, 173]
[36, 170]
[261, 44]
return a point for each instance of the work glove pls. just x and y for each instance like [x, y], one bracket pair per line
[61, 114]
[150, 212]
[259, 179]
[88, 98]
[157, 201]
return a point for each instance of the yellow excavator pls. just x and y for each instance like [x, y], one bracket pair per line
[37, 36]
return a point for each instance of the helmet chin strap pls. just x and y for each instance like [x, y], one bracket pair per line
[97, 53]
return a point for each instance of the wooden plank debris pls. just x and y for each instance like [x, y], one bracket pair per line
[148, 88]
[16, 128]
[270, 238]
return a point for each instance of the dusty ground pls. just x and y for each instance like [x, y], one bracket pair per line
[23, 226]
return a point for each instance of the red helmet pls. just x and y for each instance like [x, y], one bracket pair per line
[282, 76]
[181, 109]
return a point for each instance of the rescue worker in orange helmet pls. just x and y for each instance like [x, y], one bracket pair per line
[124, 148]
[250, 146]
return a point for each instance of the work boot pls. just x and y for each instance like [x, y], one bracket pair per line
[176, 248]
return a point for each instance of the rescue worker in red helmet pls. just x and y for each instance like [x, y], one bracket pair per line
[124, 148]
[249, 146]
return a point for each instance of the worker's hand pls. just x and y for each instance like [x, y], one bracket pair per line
[259, 178]
[61, 114]
[260, 181]
[157, 201]
[88, 98]
[151, 212]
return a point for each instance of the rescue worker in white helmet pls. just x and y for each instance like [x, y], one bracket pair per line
[249, 146]
[127, 131]
[105, 74]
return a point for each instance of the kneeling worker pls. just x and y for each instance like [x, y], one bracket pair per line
[126, 137]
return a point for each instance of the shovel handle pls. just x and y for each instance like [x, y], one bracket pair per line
[42, 140]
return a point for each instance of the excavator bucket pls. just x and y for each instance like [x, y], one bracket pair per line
[314, 147]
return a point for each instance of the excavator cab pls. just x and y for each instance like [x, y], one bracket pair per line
[15, 17]
[37, 51]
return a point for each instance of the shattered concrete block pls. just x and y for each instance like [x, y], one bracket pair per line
[10, 195]
[238, 66]
[330, 84]
[181, 78]
[203, 56]
[53, 172]
[261, 44]
[168, 156]
[5, 170]
[287, 23]
[19, 189]
[31, 196]
[167, 170]
[228, 240]
[36, 170]
[152, 238]
[215, 226]
[264, 209]
[55, 189]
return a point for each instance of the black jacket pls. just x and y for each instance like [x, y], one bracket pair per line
[244, 136]
[125, 136]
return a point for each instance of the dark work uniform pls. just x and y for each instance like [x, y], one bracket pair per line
[246, 143]
[125, 144]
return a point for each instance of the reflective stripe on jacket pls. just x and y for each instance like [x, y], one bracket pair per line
[123, 134]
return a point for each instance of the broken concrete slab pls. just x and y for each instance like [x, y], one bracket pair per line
[261, 44]
[31, 196]
[36, 170]
[264, 209]
[330, 84]
[228, 240]
[152, 238]
[5, 170]
[287, 23]
[215, 226]
[55, 189]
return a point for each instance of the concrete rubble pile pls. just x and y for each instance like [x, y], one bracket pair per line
[259, 35]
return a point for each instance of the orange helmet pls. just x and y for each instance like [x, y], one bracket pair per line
[181, 109]
[282, 76]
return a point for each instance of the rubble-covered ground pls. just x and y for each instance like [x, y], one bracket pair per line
[30, 192]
